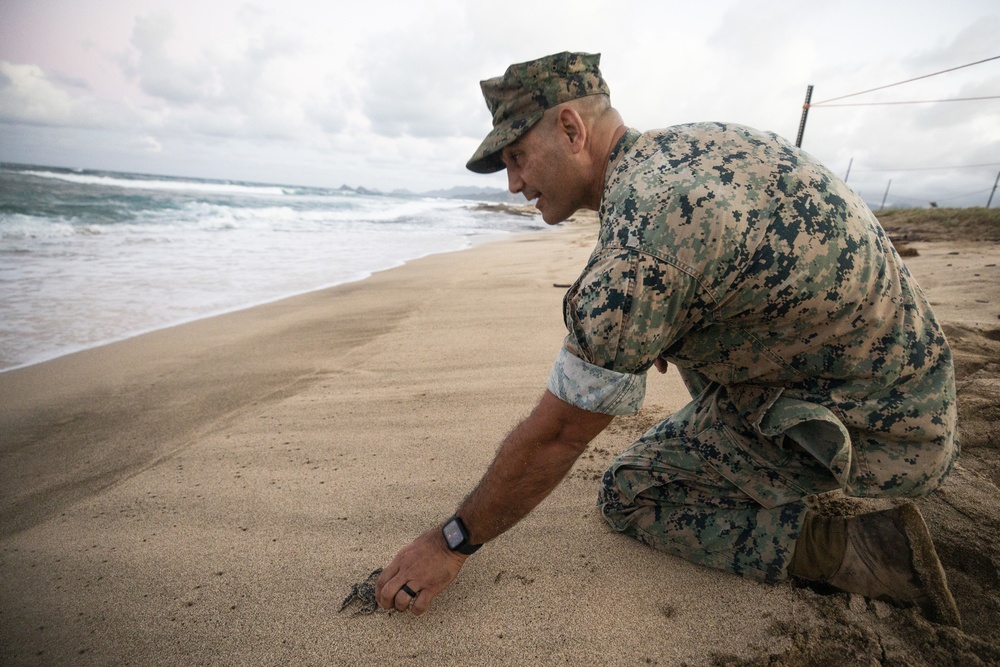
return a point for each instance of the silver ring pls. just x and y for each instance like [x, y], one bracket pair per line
[409, 591]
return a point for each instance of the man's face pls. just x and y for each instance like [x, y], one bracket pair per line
[540, 167]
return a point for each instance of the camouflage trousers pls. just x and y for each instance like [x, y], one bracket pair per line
[706, 485]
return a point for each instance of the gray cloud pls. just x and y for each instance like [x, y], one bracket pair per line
[158, 73]
[416, 84]
[30, 96]
[386, 94]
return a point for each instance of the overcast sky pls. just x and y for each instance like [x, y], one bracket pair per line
[385, 94]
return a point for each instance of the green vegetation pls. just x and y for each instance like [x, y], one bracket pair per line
[942, 224]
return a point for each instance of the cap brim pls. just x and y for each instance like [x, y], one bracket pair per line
[486, 159]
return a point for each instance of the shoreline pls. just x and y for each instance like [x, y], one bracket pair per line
[209, 493]
[487, 236]
[27, 388]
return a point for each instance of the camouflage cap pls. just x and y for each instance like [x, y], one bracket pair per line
[518, 99]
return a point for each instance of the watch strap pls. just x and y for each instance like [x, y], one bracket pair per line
[456, 536]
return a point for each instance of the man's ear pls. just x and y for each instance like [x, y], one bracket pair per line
[571, 126]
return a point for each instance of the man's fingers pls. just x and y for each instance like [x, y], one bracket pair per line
[402, 600]
[417, 604]
[426, 566]
[422, 602]
[387, 574]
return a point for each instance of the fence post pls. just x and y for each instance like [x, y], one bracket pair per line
[885, 195]
[990, 200]
[805, 114]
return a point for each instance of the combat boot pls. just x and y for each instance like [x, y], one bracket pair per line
[885, 555]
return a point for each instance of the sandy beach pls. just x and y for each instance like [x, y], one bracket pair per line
[208, 494]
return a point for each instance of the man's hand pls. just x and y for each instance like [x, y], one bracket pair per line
[426, 566]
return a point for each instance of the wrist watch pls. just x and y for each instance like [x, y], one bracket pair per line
[457, 537]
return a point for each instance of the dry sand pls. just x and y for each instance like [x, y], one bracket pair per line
[208, 494]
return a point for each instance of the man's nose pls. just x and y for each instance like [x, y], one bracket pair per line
[514, 182]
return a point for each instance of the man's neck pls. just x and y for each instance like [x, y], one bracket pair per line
[615, 138]
[604, 143]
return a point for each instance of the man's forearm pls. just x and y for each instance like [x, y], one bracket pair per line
[530, 463]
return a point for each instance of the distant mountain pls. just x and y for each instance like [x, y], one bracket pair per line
[361, 190]
[457, 192]
[477, 193]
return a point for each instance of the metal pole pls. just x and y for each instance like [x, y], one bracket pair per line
[990, 200]
[885, 195]
[848, 174]
[805, 114]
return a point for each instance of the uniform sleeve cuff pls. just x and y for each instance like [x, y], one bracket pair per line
[596, 389]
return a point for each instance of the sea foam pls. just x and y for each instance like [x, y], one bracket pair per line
[91, 257]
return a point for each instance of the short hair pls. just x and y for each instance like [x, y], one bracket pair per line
[591, 106]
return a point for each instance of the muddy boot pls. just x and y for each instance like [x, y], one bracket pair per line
[884, 555]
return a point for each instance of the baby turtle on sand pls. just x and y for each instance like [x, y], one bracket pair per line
[365, 593]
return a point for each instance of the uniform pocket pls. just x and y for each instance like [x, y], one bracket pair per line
[815, 429]
[757, 467]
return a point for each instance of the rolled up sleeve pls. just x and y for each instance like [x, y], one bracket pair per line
[623, 311]
[596, 389]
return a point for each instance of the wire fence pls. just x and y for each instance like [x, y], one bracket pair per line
[986, 192]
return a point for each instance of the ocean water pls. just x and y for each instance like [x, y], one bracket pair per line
[89, 257]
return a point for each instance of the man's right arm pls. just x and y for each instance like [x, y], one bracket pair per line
[532, 460]
[530, 463]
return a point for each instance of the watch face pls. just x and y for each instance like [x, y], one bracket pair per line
[453, 534]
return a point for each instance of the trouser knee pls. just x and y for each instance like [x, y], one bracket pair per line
[611, 503]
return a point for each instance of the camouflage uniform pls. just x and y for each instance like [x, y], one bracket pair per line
[812, 357]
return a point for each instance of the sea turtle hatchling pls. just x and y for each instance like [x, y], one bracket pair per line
[365, 593]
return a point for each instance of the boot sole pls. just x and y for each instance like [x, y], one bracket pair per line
[938, 605]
